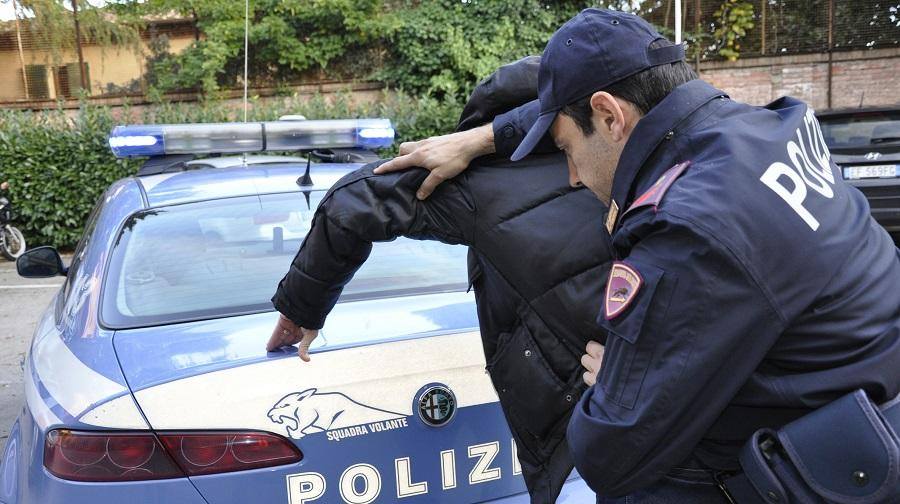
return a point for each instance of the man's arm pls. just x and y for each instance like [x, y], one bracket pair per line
[359, 210]
[511, 127]
[696, 329]
[509, 96]
[445, 156]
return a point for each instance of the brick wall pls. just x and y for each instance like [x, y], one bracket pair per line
[872, 77]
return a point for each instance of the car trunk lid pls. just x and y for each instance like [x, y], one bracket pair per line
[395, 404]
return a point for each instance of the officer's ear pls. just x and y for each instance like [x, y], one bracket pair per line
[612, 116]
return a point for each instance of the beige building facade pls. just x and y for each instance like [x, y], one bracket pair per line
[109, 69]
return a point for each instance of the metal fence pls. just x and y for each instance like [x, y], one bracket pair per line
[781, 26]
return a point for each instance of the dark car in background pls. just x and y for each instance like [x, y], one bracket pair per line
[865, 143]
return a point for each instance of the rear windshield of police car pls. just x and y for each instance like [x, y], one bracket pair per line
[225, 257]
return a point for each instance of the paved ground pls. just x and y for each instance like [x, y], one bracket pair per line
[21, 302]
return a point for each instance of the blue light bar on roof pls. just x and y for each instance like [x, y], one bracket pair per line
[156, 140]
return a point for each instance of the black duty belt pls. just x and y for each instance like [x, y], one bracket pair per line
[846, 452]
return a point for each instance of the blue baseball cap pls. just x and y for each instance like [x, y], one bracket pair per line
[592, 51]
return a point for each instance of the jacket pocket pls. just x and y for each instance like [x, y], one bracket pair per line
[625, 359]
[474, 269]
[530, 392]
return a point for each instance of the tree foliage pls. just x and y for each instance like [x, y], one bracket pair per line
[435, 46]
[445, 46]
[286, 39]
[734, 18]
[442, 46]
[52, 26]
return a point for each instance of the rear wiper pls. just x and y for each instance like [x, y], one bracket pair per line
[884, 140]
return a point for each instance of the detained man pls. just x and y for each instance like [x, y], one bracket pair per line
[538, 257]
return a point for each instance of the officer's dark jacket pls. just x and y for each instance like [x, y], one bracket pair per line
[539, 257]
[768, 290]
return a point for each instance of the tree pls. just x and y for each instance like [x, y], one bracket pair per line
[286, 38]
[446, 46]
[734, 18]
[54, 26]
[441, 46]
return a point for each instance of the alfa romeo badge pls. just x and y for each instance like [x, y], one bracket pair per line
[437, 405]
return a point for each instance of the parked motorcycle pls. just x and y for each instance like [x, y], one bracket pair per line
[12, 241]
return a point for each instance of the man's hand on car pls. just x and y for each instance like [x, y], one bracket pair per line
[591, 362]
[445, 156]
[286, 333]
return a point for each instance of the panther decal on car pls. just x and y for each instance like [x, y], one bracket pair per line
[310, 411]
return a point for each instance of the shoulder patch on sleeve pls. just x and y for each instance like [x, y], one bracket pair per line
[621, 288]
[653, 196]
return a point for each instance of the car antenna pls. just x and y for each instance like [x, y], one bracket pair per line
[861, 98]
[306, 179]
[305, 182]
[246, 65]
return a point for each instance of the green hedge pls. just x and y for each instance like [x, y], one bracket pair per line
[58, 165]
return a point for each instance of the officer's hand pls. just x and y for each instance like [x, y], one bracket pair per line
[444, 156]
[591, 361]
[286, 333]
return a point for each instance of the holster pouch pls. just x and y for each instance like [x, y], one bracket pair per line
[846, 452]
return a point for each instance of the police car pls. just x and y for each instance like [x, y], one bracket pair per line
[148, 380]
[865, 143]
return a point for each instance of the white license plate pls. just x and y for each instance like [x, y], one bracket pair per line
[871, 171]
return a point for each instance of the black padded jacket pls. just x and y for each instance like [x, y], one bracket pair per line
[538, 259]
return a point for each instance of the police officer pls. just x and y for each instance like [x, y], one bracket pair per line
[751, 285]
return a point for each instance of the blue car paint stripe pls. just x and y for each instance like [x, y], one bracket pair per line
[84, 336]
[67, 418]
[282, 353]
[146, 364]
[99, 360]
[72, 384]
[49, 401]
[34, 404]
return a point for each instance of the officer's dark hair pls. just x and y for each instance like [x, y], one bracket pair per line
[643, 90]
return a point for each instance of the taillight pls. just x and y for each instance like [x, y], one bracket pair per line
[133, 456]
[107, 456]
[208, 453]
